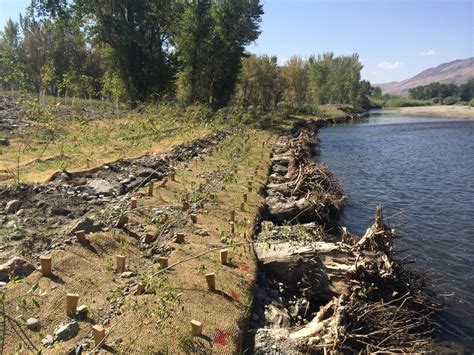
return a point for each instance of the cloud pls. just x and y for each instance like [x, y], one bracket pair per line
[428, 52]
[389, 65]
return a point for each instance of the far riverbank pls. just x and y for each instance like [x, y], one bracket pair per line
[455, 111]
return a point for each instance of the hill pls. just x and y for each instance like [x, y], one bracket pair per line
[457, 72]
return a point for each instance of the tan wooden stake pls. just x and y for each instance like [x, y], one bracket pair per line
[163, 260]
[223, 256]
[196, 327]
[99, 334]
[211, 281]
[139, 289]
[45, 262]
[179, 238]
[245, 197]
[71, 303]
[81, 236]
[193, 217]
[133, 203]
[120, 263]
[151, 187]
[242, 206]
[232, 227]
[232, 216]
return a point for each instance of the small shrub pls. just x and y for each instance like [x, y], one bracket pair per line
[471, 103]
[450, 100]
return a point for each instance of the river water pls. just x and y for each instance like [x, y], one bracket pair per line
[421, 170]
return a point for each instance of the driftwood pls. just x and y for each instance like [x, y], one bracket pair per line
[299, 190]
[358, 296]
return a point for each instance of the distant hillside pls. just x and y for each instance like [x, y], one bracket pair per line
[457, 72]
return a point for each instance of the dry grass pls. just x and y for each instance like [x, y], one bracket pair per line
[33, 156]
[159, 321]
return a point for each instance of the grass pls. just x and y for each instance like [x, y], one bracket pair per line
[67, 143]
[160, 319]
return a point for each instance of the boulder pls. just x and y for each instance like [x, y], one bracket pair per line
[12, 206]
[17, 267]
[48, 340]
[88, 225]
[66, 330]
[33, 324]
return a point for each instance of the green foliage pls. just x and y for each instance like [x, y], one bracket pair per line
[448, 94]
[450, 100]
[471, 103]
[404, 102]
[210, 43]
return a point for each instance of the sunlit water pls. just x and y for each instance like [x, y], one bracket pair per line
[423, 168]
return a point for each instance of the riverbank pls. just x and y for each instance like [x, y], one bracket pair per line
[321, 288]
[454, 111]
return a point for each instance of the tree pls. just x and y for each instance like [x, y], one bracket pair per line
[139, 34]
[295, 77]
[211, 43]
[259, 82]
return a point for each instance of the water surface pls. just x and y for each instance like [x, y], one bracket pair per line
[421, 170]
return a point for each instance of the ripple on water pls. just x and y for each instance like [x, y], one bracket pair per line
[424, 168]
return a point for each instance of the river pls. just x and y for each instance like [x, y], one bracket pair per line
[421, 170]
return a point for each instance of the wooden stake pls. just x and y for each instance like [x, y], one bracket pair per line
[139, 289]
[151, 187]
[242, 206]
[81, 236]
[179, 238]
[211, 281]
[163, 260]
[45, 262]
[232, 216]
[232, 227]
[120, 263]
[223, 256]
[71, 303]
[99, 334]
[133, 203]
[245, 197]
[196, 327]
[193, 217]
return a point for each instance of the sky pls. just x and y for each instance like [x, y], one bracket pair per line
[395, 39]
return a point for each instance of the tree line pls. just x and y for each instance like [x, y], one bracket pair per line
[302, 83]
[444, 93]
[187, 51]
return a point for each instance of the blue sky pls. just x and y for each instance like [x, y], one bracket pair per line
[395, 39]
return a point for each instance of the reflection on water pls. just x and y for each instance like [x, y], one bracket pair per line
[422, 167]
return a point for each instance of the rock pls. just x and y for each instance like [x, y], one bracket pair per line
[48, 340]
[33, 324]
[88, 225]
[17, 267]
[12, 206]
[4, 141]
[82, 311]
[59, 211]
[277, 316]
[66, 330]
[99, 187]
[127, 274]
[17, 236]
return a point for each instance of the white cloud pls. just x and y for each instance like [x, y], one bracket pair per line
[389, 65]
[428, 52]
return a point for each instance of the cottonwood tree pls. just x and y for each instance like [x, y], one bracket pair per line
[211, 43]
[295, 78]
